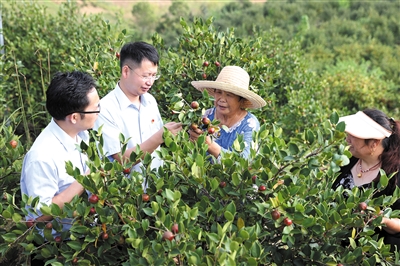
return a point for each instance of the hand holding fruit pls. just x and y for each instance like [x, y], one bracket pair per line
[173, 127]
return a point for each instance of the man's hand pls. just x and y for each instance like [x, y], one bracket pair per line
[173, 127]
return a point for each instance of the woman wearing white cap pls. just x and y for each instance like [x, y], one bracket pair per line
[374, 141]
[231, 99]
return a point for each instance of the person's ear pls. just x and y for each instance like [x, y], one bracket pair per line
[73, 118]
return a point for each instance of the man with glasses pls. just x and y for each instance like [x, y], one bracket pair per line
[129, 108]
[73, 103]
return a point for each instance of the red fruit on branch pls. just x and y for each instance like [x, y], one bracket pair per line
[175, 228]
[222, 184]
[275, 215]
[168, 235]
[13, 144]
[217, 64]
[117, 55]
[204, 75]
[145, 197]
[127, 171]
[30, 223]
[262, 188]
[254, 177]
[194, 126]
[362, 206]
[287, 221]
[205, 121]
[211, 130]
[194, 105]
[93, 199]
[57, 239]
[92, 210]
[206, 63]
[104, 236]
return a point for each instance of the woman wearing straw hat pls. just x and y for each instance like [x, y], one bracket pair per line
[231, 99]
[374, 141]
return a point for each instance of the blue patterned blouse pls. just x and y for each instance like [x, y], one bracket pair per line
[246, 126]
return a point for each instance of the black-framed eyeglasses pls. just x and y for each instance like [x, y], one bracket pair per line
[148, 78]
[88, 112]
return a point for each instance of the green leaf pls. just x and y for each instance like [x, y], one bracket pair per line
[16, 217]
[334, 118]
[55, 209]
[75, 245]
[229, 216]
[213, 237]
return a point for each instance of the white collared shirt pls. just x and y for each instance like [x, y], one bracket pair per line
[43, 170]
[119, 115]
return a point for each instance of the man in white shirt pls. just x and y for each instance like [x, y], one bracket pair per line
[74, 105]
[129, 108]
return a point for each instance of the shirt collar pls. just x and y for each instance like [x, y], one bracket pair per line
[123, 100]
[65, 139]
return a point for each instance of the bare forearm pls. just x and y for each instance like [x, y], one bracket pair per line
[68, 194]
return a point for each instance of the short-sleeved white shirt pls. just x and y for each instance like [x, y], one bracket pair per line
[43, 169]
[119, 115]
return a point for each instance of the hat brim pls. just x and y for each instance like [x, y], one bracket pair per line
[253, 101]
[362, 126]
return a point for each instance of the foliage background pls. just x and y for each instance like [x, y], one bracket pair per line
[307, 59]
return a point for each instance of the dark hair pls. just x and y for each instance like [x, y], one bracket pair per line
[135, 52]
[67, 93]
[390, 156]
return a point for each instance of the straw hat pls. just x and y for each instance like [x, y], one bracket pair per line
[362, 126]
[235, 80]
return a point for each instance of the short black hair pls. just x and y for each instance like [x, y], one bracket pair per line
[135, 52]
[67, 93]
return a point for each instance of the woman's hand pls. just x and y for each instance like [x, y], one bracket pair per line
[194, 134]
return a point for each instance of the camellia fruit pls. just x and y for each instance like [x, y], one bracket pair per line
[13, 144]
[205, 121]
[261, 188]
[30, 223]
[92, 210]
[211, 130]
[57, 239]
[93, 199]
[117, 55]
[275, 215]
[254, 177]
[217, 64]
[287, 221]
[194, 105]
[104, 236]
[175, 228]
[362, 206]
[168, 235]
[194, 126]
[222, 184]
[127, 171]
[145, 197]
[206, 63]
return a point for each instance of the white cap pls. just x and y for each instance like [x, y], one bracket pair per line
[362, 126]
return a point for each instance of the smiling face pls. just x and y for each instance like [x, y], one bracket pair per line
[360, 148]
[227, 103]
[135, 80]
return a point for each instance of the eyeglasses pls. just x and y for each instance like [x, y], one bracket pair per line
[146, 79]
[88, 112]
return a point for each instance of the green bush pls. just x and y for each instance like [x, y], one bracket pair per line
[354, 87]
[38, 44]
[226, 213]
